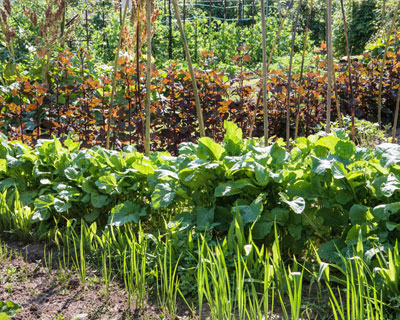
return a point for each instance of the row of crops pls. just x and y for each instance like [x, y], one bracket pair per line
[236, 196]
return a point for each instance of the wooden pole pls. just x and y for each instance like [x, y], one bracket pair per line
[114, 81]
[87, 30]
[353, 130]
[148, 78]
[294, 27]
[330, 63]
[265, 70]
[192, 75]
[170, 30]
[253, 120]
[389, 33]
[396, 115]
[302, 70]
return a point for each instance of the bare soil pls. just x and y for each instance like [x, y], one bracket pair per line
[57, 294]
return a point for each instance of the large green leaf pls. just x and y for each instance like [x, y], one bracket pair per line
[231, 188]
[320, 166]
[204, 217]
[359, 214]
[250, 213]
[302, 188]
[99, 200]
[44, 201]
[213, 150]
[383, 211]
[386, 186]
[107, 184]
[126, 212]
[3, 165]
[298, 204]
[162, 196]
[388, 153]
[8, 309]
[233, 138]
[61, 206]
[345, 149]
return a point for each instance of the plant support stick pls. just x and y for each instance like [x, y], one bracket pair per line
[290, 75]
[389, 33]
[330, 64]
[349, 70]
[264, 76]
[189, 60]
[302, 70]
[253, 120]
[148, 78]
[114, 81]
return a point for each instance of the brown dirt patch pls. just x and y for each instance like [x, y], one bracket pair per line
[58, 294]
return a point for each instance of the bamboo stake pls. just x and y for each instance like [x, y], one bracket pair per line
[114, 81]
[170, 30]
[330, 64]
[148, 79]
[190, 65]
[395, 16]
[353, 130]
[337, 101]
[396, 115]
[253, 120]
[296, 131]
[290, 75]
[265, 70]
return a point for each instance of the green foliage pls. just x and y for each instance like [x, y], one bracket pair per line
[324, 188]
[8, 309]
[362, 21]
[367, 133]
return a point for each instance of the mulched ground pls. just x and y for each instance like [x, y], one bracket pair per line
[56, 295]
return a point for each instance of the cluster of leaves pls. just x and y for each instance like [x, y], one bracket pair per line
[324, 188]
[77, 100]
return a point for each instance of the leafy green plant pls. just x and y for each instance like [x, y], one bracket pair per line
[8, 309]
